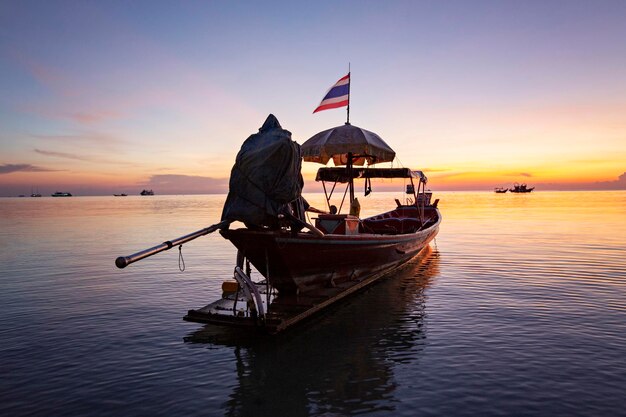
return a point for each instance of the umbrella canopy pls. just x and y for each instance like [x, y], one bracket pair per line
[337, 142]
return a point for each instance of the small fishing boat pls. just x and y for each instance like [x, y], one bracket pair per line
[61, 194]
[146, 192]
[521, 188]
[306, 266]
[500, 190]
[119, 195]
[338, 247]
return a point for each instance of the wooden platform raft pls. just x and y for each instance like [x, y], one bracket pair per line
[241, 308]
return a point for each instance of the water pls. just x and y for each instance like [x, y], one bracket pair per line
[518, 308]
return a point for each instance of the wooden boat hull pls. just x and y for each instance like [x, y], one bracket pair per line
[300, 263]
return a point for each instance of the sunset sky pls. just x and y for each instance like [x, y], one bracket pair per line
[109, 97]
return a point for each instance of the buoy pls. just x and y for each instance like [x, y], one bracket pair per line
[230, 286]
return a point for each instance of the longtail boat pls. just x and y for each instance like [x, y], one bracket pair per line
[305, 267]
[521, 188]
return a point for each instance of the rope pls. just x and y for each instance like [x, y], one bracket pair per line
[181, 261]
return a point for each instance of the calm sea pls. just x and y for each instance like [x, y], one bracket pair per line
[518, 308]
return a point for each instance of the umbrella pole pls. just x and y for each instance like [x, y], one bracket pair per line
[349, 168]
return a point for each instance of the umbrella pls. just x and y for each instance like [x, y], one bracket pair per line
[337, 142]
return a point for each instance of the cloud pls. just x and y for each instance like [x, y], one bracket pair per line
[89, 137]
[618, 184]
[85, 158]
[88, 101]
[9, 168]
[186, 184]
[49, 76]
[93, 117]
[520, 174]
[64, 155]
[65, 111]
[72, 94]
[451, 174]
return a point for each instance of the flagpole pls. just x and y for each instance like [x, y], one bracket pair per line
[349, 165]
[350, 82]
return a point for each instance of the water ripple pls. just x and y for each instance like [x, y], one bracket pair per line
[519, 308]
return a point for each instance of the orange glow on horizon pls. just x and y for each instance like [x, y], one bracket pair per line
[475, 178]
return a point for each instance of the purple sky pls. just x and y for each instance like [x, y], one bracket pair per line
[109, 97]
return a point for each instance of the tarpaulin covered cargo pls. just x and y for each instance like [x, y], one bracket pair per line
[265, 178]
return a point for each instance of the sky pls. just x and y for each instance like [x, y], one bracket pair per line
[104, 97]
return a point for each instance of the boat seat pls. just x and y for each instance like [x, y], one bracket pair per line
[391, 225]
[383, 226]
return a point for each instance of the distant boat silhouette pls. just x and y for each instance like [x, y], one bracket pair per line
[521, 188]
[120, 195]
[500, 190]
[60, 194]
[147, 192]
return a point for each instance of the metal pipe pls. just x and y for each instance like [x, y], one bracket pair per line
[326, 195]
[253, 291]
[350, 177]
[124, 261]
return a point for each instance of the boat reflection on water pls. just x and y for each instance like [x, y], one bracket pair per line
[338, 362]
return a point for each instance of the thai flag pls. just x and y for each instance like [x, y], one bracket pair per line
[337, 96]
